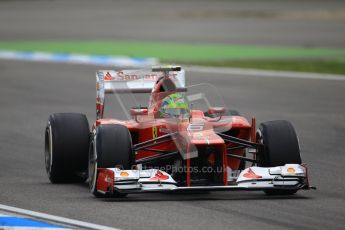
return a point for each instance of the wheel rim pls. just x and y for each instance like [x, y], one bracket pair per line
[48, 153]
[259, 139]
[92, 167]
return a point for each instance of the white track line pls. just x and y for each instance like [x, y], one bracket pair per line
[77, 58]
[62, 220]
[265, 73]
[30, 228]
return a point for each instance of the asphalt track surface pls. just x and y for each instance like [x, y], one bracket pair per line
[29, 92]
[306, 23]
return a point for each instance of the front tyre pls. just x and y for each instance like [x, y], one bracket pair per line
[110, 147]
[280, 147]
[66, 147]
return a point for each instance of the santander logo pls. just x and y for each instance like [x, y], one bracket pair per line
[159, 176]
[250, 174]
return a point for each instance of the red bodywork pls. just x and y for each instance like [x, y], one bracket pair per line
[149, 126]
[105, 181]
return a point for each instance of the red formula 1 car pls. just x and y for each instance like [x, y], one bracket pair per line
[180, 141]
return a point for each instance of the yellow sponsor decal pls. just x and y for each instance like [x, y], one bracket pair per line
[291, 170]
[124, 174]
[154, 132]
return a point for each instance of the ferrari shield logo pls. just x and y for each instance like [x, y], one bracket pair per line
[154, 132]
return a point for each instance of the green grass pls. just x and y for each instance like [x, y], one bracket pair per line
[323, 60]
[173, 51]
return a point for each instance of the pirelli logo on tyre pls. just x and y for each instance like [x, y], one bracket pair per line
[154, 132]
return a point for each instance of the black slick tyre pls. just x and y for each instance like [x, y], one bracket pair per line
[280, 147]
[66, 147]
[110, 147]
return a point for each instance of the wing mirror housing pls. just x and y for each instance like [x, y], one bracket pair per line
[217, 111]
[135, 112]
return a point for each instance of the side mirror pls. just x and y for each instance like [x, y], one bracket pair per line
[138, 112]
[216, 110]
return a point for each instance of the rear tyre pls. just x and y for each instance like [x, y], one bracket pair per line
[110, 147]
[66, 147]
[280, 147]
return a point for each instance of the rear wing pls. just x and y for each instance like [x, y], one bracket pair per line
[134, 81]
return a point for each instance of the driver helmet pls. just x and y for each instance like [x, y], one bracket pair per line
[173, 105]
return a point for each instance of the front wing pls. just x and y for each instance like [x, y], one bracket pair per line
[289, 176]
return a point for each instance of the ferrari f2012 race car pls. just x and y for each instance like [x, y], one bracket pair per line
[178, 142]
